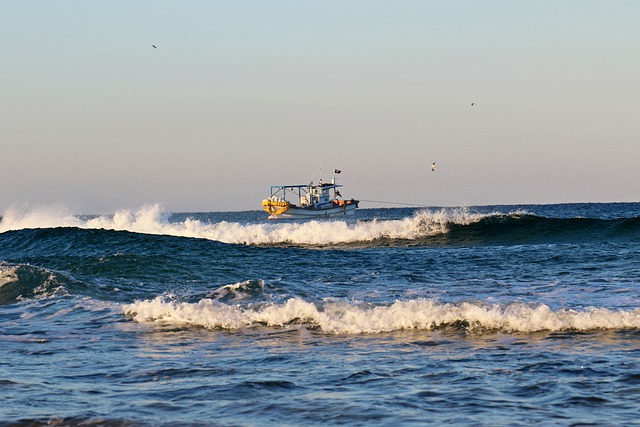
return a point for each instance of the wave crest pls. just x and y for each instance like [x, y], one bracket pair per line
[152, 220]
[21, 282]
[348, 318]
[450, 226]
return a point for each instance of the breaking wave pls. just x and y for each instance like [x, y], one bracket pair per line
[21, 282]
[151, 220]
[351, 318]
[455, 226]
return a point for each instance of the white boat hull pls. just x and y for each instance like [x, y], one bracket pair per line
[309, 213]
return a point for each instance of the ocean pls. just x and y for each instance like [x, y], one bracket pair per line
[481, 316]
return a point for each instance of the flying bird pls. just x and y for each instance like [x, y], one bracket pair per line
[433, 167]
[154, 46]
[473, 103]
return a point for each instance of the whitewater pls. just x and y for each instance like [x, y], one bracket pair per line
[152, 220]
[354, 319]
[489, 315]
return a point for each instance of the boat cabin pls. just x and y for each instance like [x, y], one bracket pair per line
[308, 196]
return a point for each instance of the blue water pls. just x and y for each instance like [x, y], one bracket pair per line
[495, 315]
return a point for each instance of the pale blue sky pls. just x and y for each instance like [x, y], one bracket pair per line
[240, 95]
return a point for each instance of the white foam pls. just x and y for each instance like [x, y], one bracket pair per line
[350, 318]
[19, 217]
[151, 220]
[236, 292]
[8, 274]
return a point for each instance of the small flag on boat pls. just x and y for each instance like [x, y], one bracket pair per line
[337, 171]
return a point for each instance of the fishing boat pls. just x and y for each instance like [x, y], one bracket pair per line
[311, 200]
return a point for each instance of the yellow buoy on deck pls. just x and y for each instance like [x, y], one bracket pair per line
[275, 207]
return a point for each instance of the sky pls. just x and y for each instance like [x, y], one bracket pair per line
[242, 95]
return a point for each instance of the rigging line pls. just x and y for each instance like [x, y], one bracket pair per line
[395, 203]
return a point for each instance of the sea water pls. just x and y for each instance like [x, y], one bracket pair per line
[494, 315]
